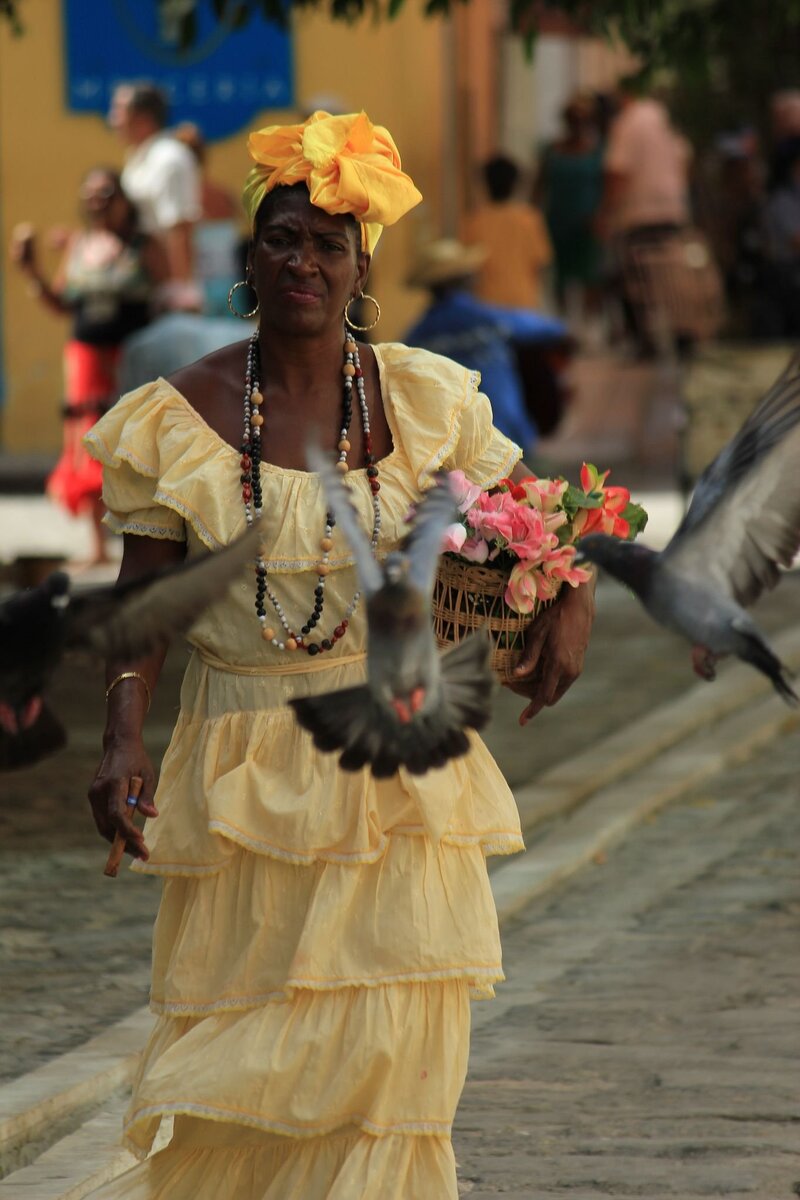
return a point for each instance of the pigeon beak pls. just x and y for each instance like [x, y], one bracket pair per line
[580, 558]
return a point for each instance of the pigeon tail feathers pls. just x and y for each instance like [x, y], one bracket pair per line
[369, 734]
[467, 682]
[753, 649]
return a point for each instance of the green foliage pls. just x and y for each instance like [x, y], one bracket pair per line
[575, 498]
[636, 517]
[721, 59]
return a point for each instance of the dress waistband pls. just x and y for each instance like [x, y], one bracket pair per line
[302, 665]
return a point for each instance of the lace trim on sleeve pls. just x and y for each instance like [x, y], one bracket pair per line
[143, 528]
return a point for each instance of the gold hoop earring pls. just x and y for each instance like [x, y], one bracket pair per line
[247, 315]
[363, 328]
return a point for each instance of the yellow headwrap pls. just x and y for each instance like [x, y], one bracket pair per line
[348, 164]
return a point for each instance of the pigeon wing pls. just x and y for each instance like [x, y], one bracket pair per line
[130, 619]
[423, 545]
[744, 519]
[340, 504]
[769, 421]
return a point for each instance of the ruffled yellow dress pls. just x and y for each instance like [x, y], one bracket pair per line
[320, 933]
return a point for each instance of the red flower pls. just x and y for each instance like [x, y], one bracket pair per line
[608, 518]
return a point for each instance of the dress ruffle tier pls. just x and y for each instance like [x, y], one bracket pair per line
[226, 1161]
[321, 933]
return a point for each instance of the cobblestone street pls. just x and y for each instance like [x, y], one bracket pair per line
[646, 1041]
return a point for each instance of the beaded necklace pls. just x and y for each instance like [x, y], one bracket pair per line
[252, 499]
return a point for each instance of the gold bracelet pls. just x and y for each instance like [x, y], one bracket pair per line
[130, 675]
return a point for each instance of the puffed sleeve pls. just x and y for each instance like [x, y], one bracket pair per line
[129, 442]
[482, 452]
[441, 419]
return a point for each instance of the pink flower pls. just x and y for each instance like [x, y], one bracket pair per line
[484, 513]
[559, 566]
[530, 582]
[454, 537]
[521, 593]
[536, 542]
[544, 494]
[500, 516]
[464, 492]
[547, 586]
[555, 520]
[476, 549]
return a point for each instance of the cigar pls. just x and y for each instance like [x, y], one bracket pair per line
[118, 848]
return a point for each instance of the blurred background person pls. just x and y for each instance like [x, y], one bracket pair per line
[218, 235]
[570, 189]
[780, 313]
[645, 194]
[729, 194]
[105, 282]
[478, 335]
[162, 178]
[784, 113]
[514, 237]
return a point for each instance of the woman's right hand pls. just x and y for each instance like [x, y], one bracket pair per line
[124, 757]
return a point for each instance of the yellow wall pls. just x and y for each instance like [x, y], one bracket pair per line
[393, 71]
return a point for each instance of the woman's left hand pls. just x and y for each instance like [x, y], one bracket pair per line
[555, 646]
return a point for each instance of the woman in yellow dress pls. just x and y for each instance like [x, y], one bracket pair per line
[321, 933]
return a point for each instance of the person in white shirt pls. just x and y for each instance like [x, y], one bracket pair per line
[162, 179]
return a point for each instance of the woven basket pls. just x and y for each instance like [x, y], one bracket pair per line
[467, 597]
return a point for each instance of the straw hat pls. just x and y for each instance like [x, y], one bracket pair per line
[443, 260]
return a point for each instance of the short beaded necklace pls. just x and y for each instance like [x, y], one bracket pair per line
[252, 498]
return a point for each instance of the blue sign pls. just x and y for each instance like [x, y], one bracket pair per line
[219, 82]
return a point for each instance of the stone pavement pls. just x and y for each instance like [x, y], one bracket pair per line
[646, 1041]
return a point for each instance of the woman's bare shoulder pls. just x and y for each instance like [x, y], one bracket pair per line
[212, 377]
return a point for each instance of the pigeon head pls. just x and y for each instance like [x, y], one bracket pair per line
[629, 562]
[32, 625]
[56, 589]
[395, 569]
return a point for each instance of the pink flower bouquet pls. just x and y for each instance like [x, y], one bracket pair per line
[514, 547]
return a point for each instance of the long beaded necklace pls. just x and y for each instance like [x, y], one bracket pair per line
[250, 463]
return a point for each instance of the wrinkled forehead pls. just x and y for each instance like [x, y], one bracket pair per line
[291, 207]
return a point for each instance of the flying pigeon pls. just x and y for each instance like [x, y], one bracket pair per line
[121, 621]
[743, 524]
[416, 703]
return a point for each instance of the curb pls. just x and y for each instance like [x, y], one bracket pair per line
[44, 1100]
[561, 789]
[614, 810]
[601, 794]
[75, 1166]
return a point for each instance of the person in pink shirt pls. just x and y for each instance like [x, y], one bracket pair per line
[646, 192]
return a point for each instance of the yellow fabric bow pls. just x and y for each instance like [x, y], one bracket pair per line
[348, 164]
